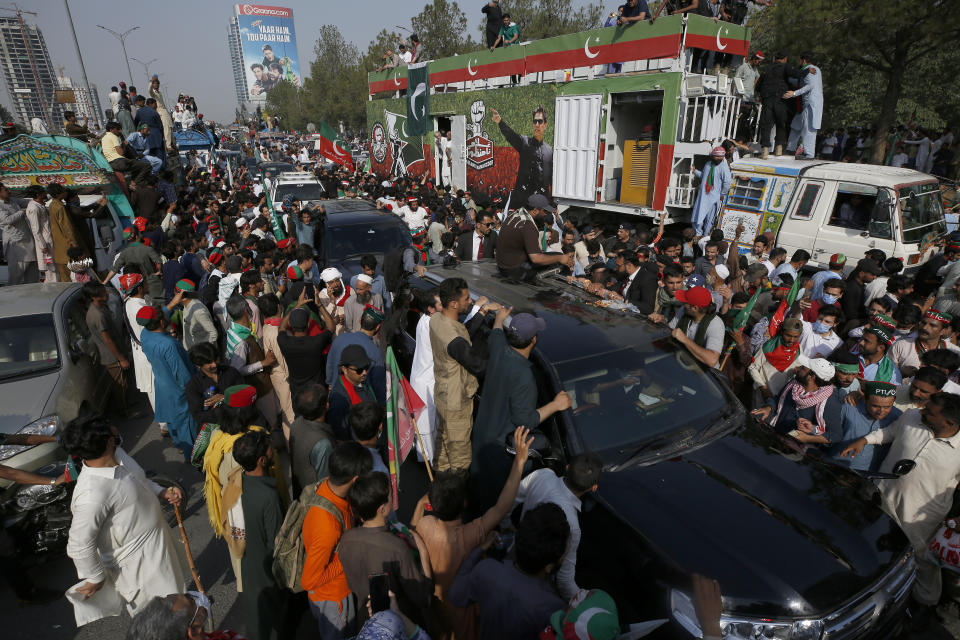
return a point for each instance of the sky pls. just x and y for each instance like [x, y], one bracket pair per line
[189, 40]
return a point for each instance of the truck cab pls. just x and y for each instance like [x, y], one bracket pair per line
[834, 207]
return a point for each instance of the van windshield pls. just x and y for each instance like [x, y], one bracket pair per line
[921, 212]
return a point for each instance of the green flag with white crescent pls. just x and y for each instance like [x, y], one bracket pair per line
[418, 99]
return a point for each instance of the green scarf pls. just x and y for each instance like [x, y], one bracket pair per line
[236, 334]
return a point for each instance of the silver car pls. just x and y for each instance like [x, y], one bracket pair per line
[49, 368]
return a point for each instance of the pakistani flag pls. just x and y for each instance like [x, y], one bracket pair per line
[332, 148]
[418, 99]
[404, 406]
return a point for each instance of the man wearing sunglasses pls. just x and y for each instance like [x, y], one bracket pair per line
[535, 167]
[479, 244]
[350, 387]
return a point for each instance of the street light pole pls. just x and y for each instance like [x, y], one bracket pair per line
[122, 37]
[83, 69]
[146, 66]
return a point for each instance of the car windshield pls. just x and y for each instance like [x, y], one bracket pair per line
[303, 191]
[357, 239]
[921, 212]
[28, 345]
[623, 398]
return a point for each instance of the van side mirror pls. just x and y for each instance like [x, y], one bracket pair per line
[539, 449]
[881, 215]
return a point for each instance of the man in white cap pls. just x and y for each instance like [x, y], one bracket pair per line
[334, 296]
[359, 298]
[413, 214]
[715, 180]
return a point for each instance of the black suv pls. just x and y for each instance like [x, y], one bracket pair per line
[799, 546]
[354, 227]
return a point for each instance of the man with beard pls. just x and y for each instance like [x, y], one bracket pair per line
[905, 352]
[518, 247]
[535, 168]
[920, 500]
[715, 181]
[358, 300]
[864, 413]
[334, 296]
[808, 407]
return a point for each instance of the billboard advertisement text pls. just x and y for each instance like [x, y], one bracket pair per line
[269, 46]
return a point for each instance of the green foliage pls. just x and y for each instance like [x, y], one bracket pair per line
[540, 19]
[441, 26]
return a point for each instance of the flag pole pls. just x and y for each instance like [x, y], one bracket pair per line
[416, 430]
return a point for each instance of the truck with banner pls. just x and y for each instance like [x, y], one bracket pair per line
[611, 119]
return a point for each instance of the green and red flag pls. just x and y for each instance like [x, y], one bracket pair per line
[778, 316]
[740, 320]
[332, 148]
[404, 406]
[275, 219]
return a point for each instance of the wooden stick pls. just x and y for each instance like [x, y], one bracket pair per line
[186, 546]
[422, 450]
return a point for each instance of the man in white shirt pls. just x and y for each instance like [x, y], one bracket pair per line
[829, 144]
[818, 339]
[543, 485]
[405, 55]
[921, 499]
[900, 158]
[413, 214]
[421, 372]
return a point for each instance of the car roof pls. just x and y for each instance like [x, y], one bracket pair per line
[866, 173]
[296, 177]
[341, 213]
[575, 328]
[31, 299]
[353, 205]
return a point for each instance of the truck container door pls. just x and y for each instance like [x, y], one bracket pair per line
[458, 153]
[575, 141]
[846, 224]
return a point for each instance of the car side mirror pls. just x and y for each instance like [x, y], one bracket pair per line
[881, 215]
[903, 467]
[106, 234]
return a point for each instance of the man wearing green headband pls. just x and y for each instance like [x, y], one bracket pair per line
[874, 410]
[847, 367]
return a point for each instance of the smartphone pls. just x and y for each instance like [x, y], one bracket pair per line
[379, 592]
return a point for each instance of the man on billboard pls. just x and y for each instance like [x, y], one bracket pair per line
[269, 57]
[535, 169]
[259, 86]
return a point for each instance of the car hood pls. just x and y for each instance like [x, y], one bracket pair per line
[24, 400]
[784, 537]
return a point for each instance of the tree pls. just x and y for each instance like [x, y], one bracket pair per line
[284, 101]
[540, 19]
[441, 26]
[885, 37]
[337, 82]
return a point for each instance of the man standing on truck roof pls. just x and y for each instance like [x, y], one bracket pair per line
[811, 89]
[770, 89]
[715, 180]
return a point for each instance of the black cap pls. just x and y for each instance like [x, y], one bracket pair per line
[299, 319]
[539, 201]
[354, 356]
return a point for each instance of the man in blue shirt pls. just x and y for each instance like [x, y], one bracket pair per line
[633, 11]
[874, 411]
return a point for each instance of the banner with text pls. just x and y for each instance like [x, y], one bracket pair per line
[269, 46]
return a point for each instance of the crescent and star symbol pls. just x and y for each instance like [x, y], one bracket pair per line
[470, 70]
[413, 101]
[726, 31]
[586, 48]
[397, 82]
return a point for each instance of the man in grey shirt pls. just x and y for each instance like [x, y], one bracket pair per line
[106, 337]
[17, 239]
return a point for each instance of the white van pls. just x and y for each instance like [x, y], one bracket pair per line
[835, 207]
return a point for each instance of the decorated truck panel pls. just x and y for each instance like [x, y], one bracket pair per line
[562, 125]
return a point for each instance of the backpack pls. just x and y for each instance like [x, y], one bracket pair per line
[288, 550]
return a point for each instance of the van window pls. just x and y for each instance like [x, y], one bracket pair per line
[747, 192]
[921, 212]
[807, 201]
[853, 206]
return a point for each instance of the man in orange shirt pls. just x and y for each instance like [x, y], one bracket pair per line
[331, 601]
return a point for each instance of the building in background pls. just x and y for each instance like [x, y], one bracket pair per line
[263, 50]
[87, 107]
[28, 73]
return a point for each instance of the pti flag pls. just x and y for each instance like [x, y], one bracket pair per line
[278, 232]
[418, 99]
[331, 147]
[404, 406]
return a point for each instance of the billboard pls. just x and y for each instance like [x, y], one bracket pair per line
[269, 46]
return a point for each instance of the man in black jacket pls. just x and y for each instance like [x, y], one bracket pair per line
[481, 242]
[770, 88]
[494, 21]
[640, 288]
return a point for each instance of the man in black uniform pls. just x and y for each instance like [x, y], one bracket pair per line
[494, 21]
[770, 89]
